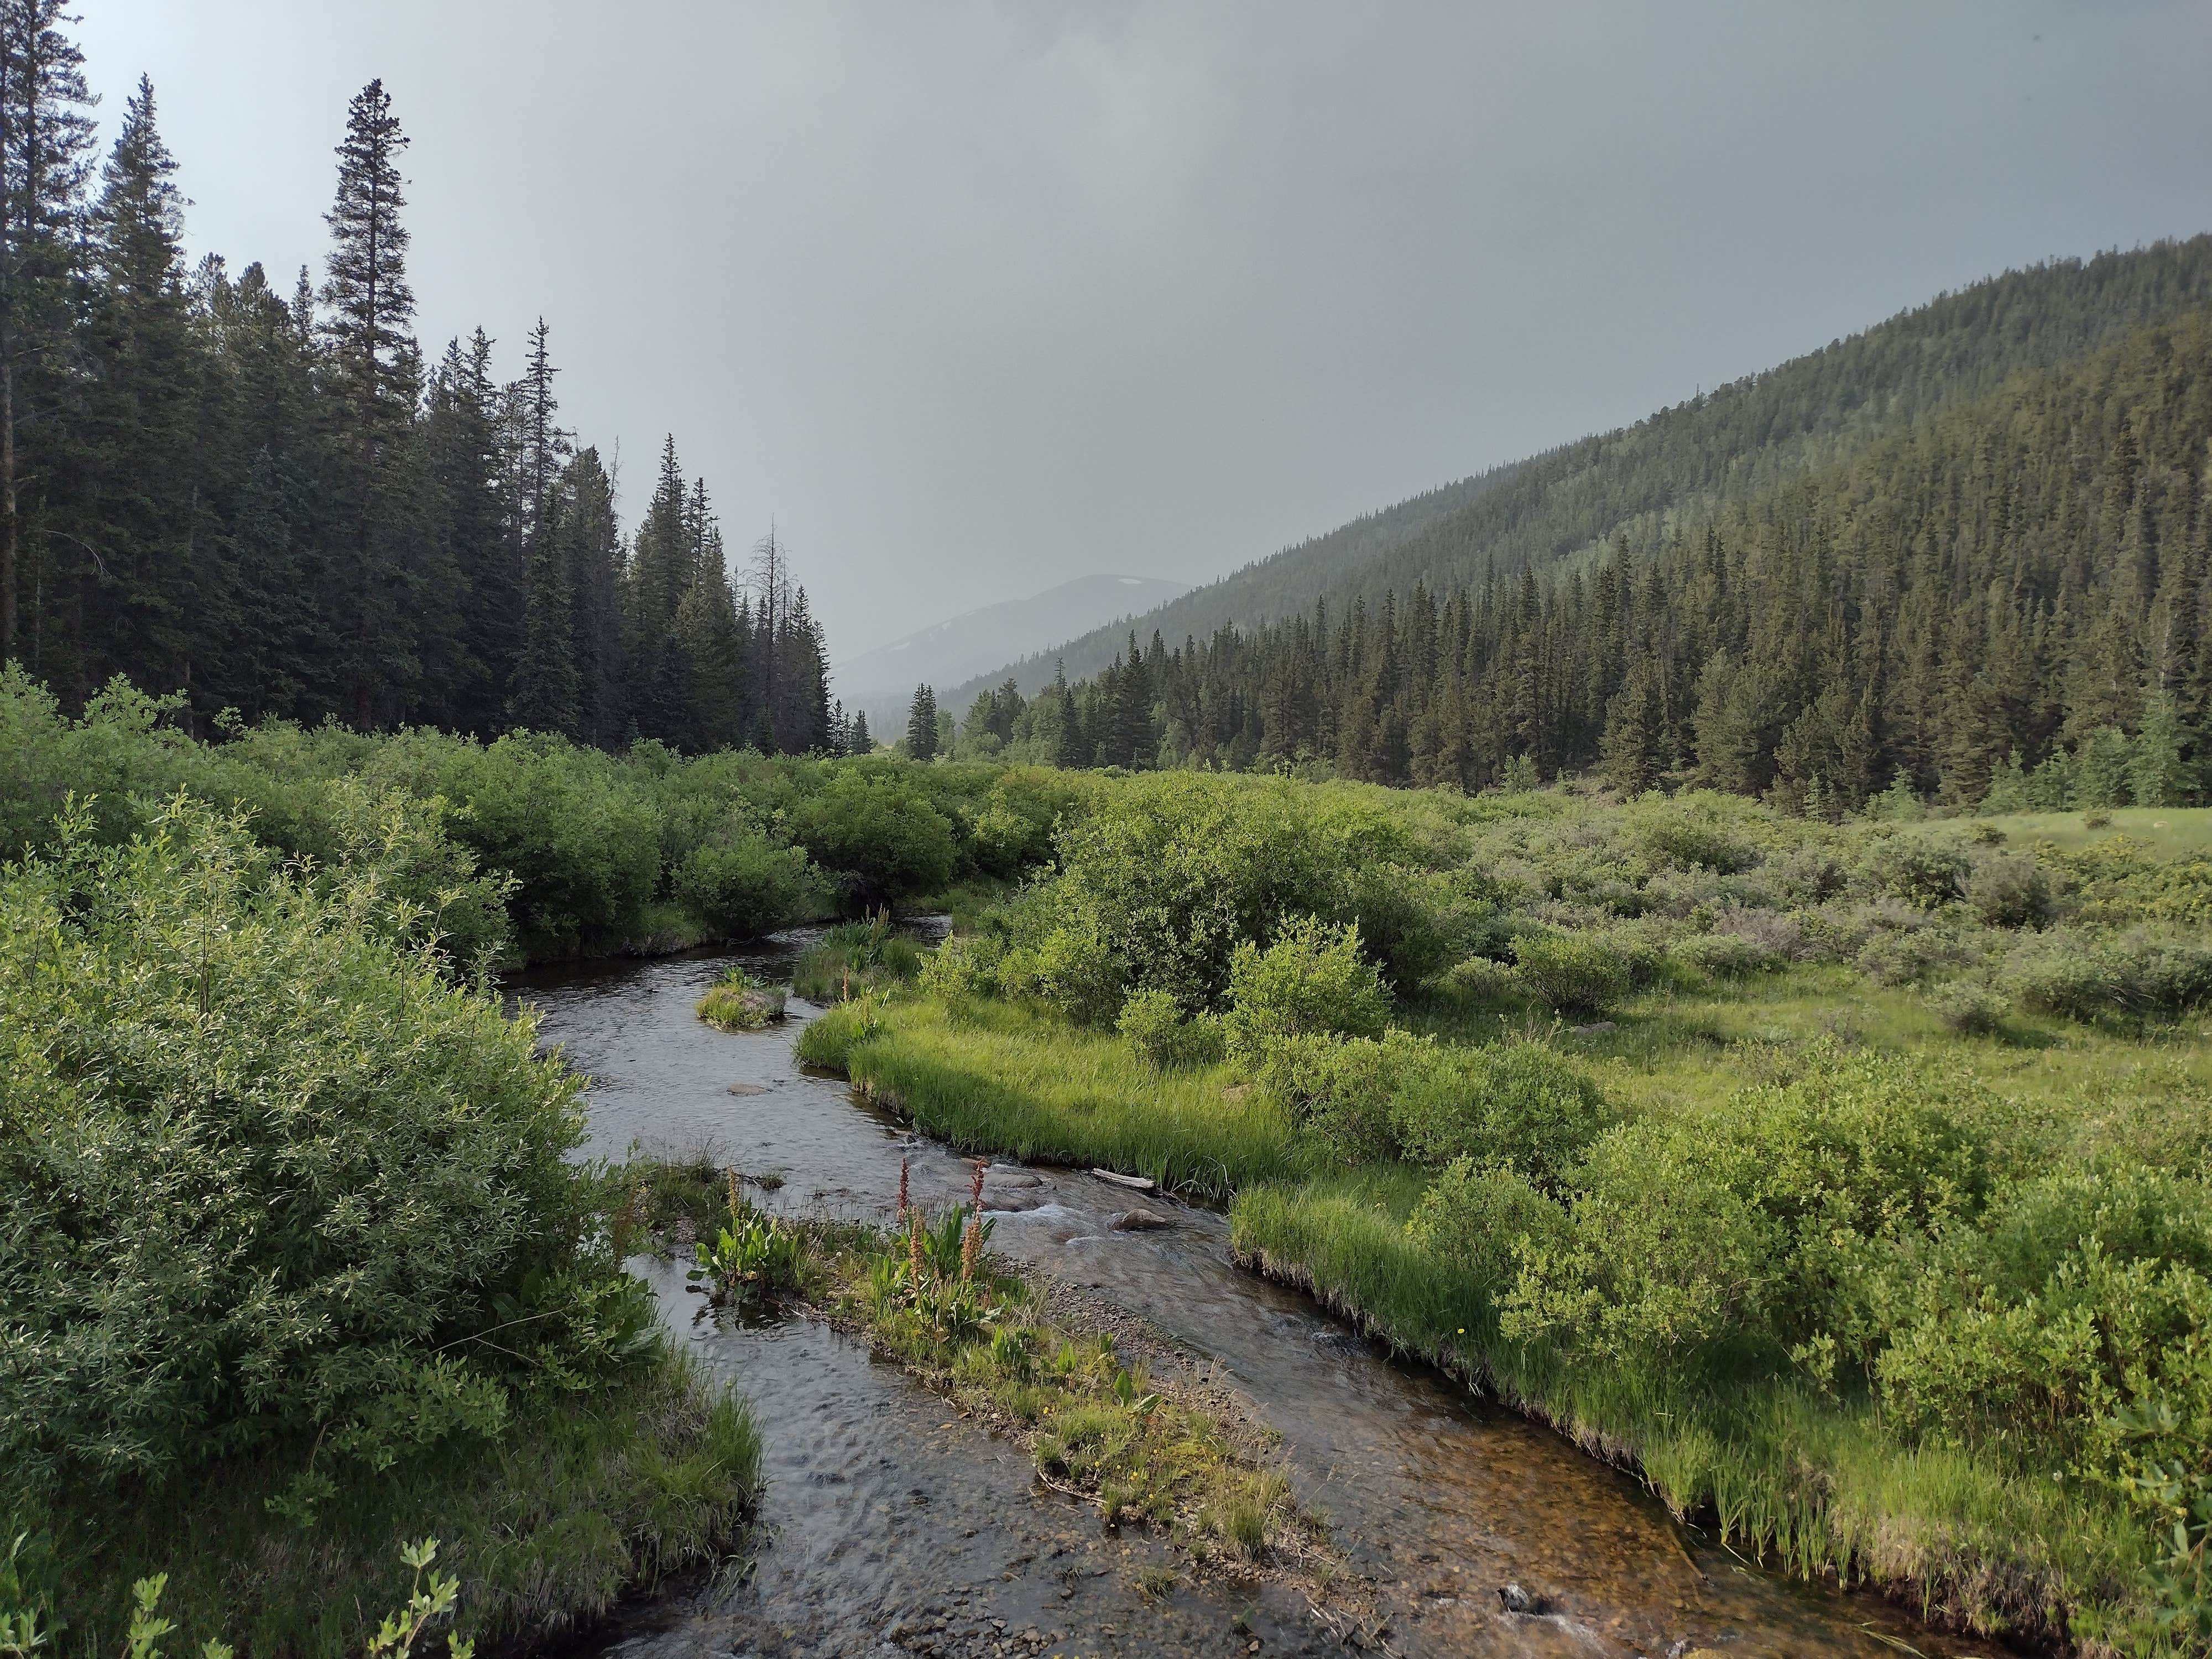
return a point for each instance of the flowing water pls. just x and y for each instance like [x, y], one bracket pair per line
[889, 1526]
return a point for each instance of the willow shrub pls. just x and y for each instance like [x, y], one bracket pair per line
[265, 1172]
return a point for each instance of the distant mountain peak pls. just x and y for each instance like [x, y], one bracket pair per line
[947, 652]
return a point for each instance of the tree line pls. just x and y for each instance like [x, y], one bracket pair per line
[2007, 598]
[273, 503]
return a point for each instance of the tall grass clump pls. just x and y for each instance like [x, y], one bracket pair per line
[853, 957]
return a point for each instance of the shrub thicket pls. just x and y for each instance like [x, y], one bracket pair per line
[267, 1173]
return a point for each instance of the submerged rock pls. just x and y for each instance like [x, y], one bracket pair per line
[1140, 1221]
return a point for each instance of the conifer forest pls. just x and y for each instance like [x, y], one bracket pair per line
[1614, 1059]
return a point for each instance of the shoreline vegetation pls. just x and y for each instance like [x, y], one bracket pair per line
[297, 1270]
[1847, 1176]
[1844, 1181]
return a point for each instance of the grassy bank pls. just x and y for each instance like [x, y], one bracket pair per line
[984, 1076]
[1805, 1482]
[544, 1527]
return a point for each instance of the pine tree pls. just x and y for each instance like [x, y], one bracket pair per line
[2155, 770]
[921, 725]
[46, 141]
[860, 742]
[461, 441]
[373, 374]
[152, 600]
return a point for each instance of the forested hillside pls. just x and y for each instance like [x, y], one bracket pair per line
[275, 503]
[2004, 592]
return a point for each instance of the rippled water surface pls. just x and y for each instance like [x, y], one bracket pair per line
[891, 1527]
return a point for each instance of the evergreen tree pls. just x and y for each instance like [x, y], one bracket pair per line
[46, 140]
[372, 368]
[921, 725]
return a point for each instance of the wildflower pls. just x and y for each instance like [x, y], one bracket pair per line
[975, 1189]
[971, 1246]
[914, 1244]
[902, 1208]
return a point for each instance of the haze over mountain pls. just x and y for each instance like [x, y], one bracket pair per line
[1731, 440]
[881, 681]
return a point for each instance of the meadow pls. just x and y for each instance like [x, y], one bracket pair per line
[1847, 1180]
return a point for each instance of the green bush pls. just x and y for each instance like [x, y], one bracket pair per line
[2087, 976]
[582, 841]
[1312, 979]
[1484, 1218]
[1413, 922]
[743, 887]
[1170, 873]
[1517, 1103]
[266, 1173]
[2010, 890]
[2067, 1329]
[1157, 1029]
[1689, 834]
[1969, 1007]
[1072, 969]
[1720, 956]
[1925, 866]
[1573, 973]
[1745, 1228]
[1912, 956]
[884, 835]
[965, 965]
[1338, 1090]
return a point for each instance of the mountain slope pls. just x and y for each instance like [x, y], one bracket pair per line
[944, 654]
[1815, 410]
[2004, 602]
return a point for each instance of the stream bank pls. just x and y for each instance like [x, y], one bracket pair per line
[891, 1527]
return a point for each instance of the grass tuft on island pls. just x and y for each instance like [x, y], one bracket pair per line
[1141, 1435]
[739, 1002]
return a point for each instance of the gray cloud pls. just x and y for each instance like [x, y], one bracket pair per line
[973, 298]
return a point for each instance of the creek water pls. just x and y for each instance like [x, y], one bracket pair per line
[890, 1526]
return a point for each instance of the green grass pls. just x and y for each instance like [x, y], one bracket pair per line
[589, 1498]
[988, 1077]
[2169, 831]
[1804, 1481]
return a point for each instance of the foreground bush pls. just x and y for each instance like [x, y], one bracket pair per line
[1744, 1229]
[263, 1174]
[1311, 980]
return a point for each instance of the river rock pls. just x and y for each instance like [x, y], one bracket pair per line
[1140, 1221]
[1012, 1175]
[747, 1089]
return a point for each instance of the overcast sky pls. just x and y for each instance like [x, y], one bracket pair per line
[977, 298]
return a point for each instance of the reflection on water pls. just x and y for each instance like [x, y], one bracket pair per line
[886, 1521]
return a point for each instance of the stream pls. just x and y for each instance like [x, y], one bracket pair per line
[890, 1526]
